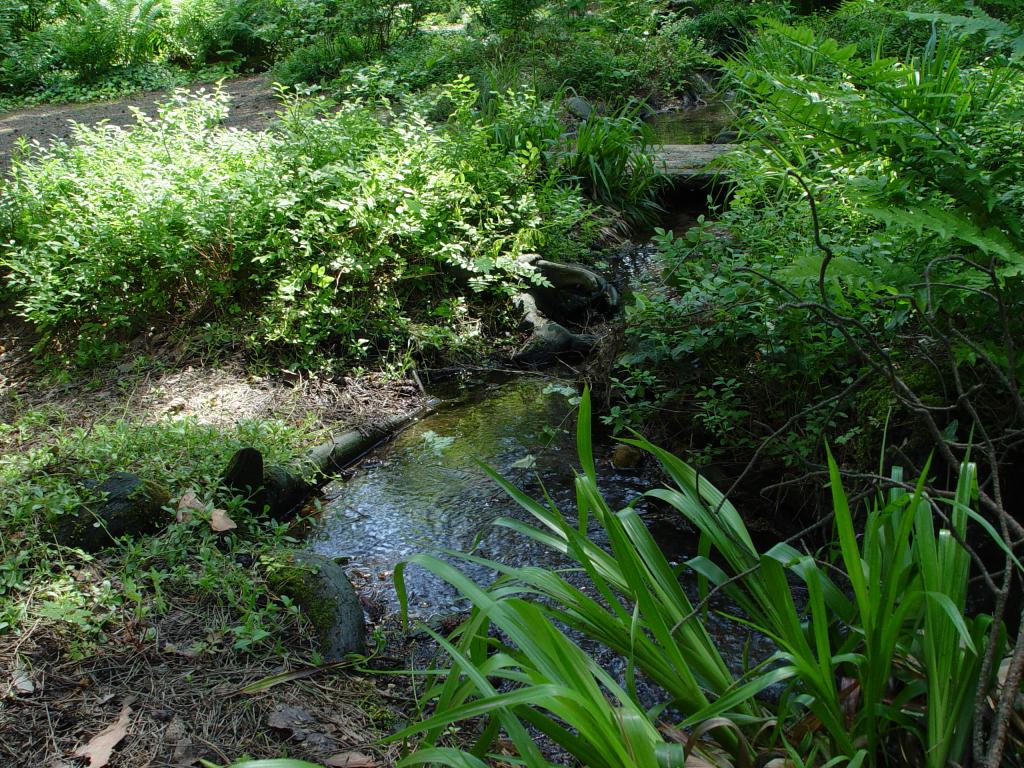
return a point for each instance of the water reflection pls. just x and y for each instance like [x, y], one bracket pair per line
[426, 491]
[696, 125]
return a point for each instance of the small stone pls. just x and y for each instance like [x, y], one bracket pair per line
[288, 718]
[626, 457]
[177, 405]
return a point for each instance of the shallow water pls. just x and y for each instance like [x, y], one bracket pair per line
[694, 125]
[426, 492]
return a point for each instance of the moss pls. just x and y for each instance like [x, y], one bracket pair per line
[149, 499]
[297, 580]
[322, 590]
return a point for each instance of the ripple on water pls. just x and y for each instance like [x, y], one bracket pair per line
[426, 492]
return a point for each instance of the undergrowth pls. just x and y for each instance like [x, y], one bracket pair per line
[344, 235]
[48, 475]
[340, 233]
[877, 662]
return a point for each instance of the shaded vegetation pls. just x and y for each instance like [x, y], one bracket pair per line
[875, 660]
[48, 474]
[836, 342]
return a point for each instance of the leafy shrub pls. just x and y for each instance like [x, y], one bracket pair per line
[741, 300]
[609, 155]
[609, 57]
[107, 33]
[884, 26]
[426, 59]
[196, 29]
[724, 26]
[142, 223]
[253, 30]
[673, 59]
[369, 27]
[588, 65]
[90, 40]
[25, 63]
[515, 16]
[337, 232]
[318, 60]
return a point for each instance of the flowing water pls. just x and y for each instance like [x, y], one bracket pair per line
[426, 490]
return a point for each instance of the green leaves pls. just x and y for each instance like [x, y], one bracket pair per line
[610, 158]
[897, 137]
[858, 669]
[336, 228]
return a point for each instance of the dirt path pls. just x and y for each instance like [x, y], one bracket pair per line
[253, 105]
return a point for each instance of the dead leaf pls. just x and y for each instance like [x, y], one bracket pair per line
[101, 746]
[219, 521]
[21, 679]
[188, 502]
[351, 760]
[176, 731]
[288, 718]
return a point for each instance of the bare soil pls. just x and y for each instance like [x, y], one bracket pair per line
[186, 705]
[253, 106]
[178, 672]
[165, 376]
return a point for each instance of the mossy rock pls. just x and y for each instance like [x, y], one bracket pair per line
[340, 450]
[126, 505]
[321, 589]
[627, 457]
[578, 107]
[277, 490]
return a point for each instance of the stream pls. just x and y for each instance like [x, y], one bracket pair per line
[427, 490]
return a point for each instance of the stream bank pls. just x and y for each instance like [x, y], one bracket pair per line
[428, 490]
[166, 380]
